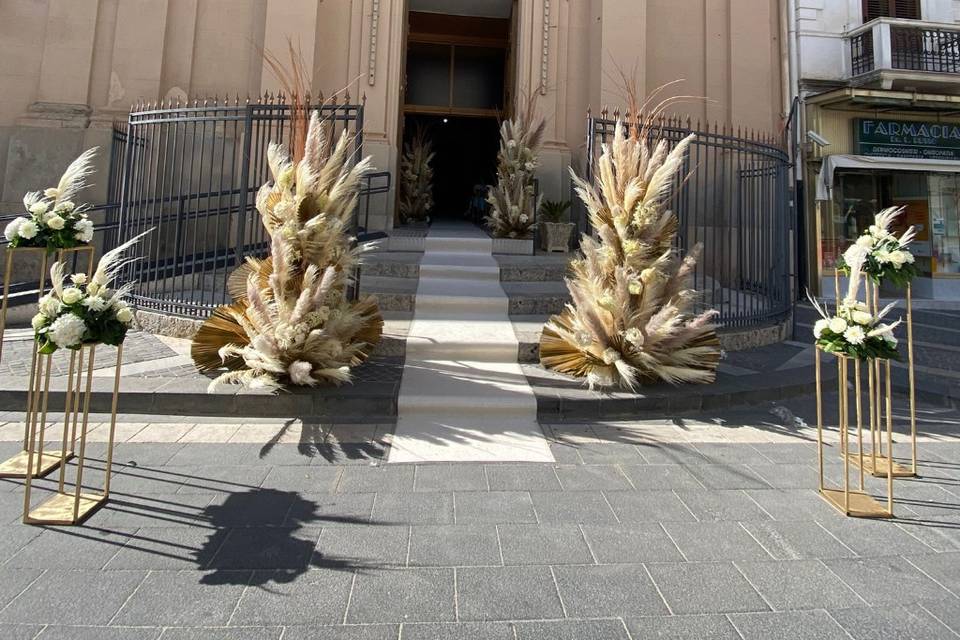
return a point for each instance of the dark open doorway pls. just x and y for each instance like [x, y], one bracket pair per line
[465, 157]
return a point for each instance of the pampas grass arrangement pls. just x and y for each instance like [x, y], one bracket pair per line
[513, 202]
[291, 321]
[632, 321]
[416, 179]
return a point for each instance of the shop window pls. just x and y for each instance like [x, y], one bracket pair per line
[945, 221]
[906, 9]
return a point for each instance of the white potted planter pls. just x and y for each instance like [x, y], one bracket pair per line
[555, 236]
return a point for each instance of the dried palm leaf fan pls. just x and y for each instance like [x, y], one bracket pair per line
[416, 178]
[631, 320]
[290, 322]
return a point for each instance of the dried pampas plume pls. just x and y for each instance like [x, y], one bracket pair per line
[416, 179]
[631, 320]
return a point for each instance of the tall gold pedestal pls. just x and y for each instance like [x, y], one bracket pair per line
[42, 464]
[69, 505]
[849, 501]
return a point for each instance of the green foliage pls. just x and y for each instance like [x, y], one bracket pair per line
[554, 210]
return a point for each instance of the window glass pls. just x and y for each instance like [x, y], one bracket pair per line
[945, 221]
[478, 77]
[428, 75]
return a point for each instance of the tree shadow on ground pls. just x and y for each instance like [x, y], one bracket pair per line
[317, 440]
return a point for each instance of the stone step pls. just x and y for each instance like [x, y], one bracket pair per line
[525, 298]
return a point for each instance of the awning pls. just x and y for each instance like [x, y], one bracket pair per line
[840, 161]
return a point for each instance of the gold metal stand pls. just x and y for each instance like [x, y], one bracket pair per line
[853, 502]
[68, 507]
[18, 465]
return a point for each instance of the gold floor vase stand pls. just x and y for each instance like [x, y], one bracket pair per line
[69, 505]
[850, 501]
[17, 466]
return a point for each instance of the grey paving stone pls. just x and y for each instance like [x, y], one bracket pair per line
[723, 505]
[507, 593]
[787, 452]
[522, 477]
[494, 507]
[593, 477]
[19, 631]
[458, 631]
[709, 541]
[255, 507]
[787, 476]
[266, 548]
[648, 506]
[790, 625]
[799, 584]
[877, 537]
[705, 587]
[181, 598]
[200, 453]
[318, 596]
[362, 545]
[630, 543]
[608, 590]
[572, 507]
[449, 477]
[100, 633]
[797, 540]
[303, 479]
[609, 453]
[884, 623]
[367, 479]
[343, 632]
[660, 477]
[886, 581]
[13, 581]
[670, 454]
[571, 630]
[237, 479]
[154, 510]
[727, 476]
[73, 598]
[454, 546]
[165, 548]
[565, 453]
[89, 549]
[142, 454]
[942, 567]
[322, 509]
[224, 633]
[790, 505]
[402, 595]
[730, 453]
[694, 627]
[945, 611]
[14, 537]
[414, 508]
[543, 544]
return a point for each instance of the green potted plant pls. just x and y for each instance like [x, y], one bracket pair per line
[555, 226]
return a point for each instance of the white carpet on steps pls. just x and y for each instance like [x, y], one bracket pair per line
[463, 397]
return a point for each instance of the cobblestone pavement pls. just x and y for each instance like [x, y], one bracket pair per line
[706, 527]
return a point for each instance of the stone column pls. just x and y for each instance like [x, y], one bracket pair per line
[138, 51]
[296, 20]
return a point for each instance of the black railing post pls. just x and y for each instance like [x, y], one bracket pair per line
[244, 194]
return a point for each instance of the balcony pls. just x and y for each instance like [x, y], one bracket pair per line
[905, 54]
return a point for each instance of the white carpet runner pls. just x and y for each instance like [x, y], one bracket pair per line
[463, 396]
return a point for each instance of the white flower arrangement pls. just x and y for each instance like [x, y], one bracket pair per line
[87, 312]
[852, 330]
[54, 221]
[887, 257]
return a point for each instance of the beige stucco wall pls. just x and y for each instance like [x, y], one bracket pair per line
[69, 67]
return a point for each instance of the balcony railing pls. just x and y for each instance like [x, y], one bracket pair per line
[904, 45]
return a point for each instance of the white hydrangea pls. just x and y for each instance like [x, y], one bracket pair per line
[64, 207]
[819, 327]
[67, 330]
[49, 306]
[13, 228]
[854, 335]
[865, 241]
[83, 230]
[71, 295]
[28, 229]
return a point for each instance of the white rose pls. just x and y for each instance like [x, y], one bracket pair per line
[39, 208]
[854, 335]
[94, 303]
[67, 330]
[862, 317]
[897, 258]
[49, 306]
[38, 321]
[71, 295]
[79, 278]
[882, 256]
[125, 315]
[523, 218]
[84, 236]
[28, 230]
[865, 241]
[56, 223]
[13, 228]
[838, 325]
[819, 327]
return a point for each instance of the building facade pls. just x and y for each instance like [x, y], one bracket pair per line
[69, 68]
[880, 85]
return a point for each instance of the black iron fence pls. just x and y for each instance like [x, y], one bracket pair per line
[733, 197]
[912, 48]
[191, 174]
